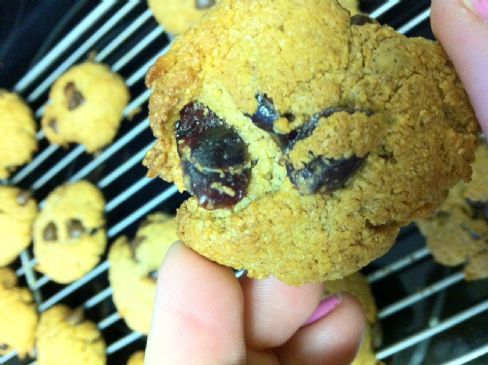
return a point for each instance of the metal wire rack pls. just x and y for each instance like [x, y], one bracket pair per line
[429, 314]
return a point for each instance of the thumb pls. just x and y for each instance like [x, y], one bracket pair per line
[462, 28]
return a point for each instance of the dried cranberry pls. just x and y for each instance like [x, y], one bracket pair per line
[266, 113]
[214, 157]
[323, 174]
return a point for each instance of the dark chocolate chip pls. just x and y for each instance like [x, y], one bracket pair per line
[214, 157]
[3, 347]
[23, 197]
[361, 19]
[76, 316]
[266, 114]
[74, 96]
[50, 232]
[323, 174]
[53, 124]
[204, 4]
[75, 228]
[479, 209]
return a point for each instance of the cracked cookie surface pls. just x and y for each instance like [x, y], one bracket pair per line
[69, 233]
[134, 266]
[307, 143]
[458, 232]
[65, 337]
[18, 209]
[18, 316]
[18, 141]
[85, 107]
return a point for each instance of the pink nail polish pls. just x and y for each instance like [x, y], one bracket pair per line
[478, 6]
[326, 306]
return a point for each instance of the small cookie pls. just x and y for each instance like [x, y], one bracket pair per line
[458, 232]
[65, 337]
[357, 286]
[178, 16]
[133, 269]
[86, 105]
[18, 316]
[69, 233]
[18, 140]
[18, 209]
[308, 142]
[136, 358]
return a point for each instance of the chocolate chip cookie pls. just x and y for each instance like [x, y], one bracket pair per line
[458, 232]
[85, 106]
[64, 336]
[357, 286]
[308, 142]
[18, 140]
[69, 233]
[18, 209]
[134, 266]
[18, 316]
[136, 358]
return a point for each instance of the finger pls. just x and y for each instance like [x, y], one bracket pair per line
[464, 35]
[275, 311]
[198, 314]
[261, 358]
[332, 340]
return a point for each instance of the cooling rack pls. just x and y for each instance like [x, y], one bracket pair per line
[428, 313]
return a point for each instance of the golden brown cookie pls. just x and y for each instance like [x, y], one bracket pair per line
[65, 337]
[136, 358]
[18, 209]
[133, 269]
[18, 140]
[18, 316]
[357, 286]
[85, 106]
[69, 233]
[458, 232]
[307, 143]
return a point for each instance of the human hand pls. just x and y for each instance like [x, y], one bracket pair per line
[204, 315]
[462, 28]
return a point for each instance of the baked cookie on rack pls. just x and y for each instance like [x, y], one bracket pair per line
[18, 209]
[136, 358]
[458, 232]
[357, 285]
[18, 316]
[69, 233]
[85, 106]
[64, 336]
[133, 269]
[307, 143]
[18, 140]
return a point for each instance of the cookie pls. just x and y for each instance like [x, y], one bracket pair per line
[69, 233]
[85, 106]
[458, 232]
[18, 316]
[178, 16]
[307, 143]
[133, 269]
[18, 209]
[65, 337]
[18, 140]
[137, 358]
[357, 286]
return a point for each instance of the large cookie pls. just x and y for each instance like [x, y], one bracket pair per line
[17, 213]
[69, 233]
[134, 266]
[65, 337]
[357, 285]
[458, 232]
[85, 106]
[18, 140]
[18, 316]
[308, 142]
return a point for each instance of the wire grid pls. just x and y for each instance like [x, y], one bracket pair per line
[108, 28]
